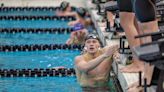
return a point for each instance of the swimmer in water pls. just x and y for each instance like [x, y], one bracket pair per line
[93, 67]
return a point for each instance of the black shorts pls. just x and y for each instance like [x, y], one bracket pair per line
[111, 6]
[125, 5]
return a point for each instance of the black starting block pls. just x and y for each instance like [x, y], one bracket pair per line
[101, 11]
[114, 31]
[99, 3]
[117, 26]
[124, 49]
[152, 52]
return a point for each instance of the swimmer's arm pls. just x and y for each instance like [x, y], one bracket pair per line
[88, 21]
[84, 66]
[71, 14]
[59, 13]
[116, 47]
[73, 22]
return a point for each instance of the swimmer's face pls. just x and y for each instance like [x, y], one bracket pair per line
[92, 45]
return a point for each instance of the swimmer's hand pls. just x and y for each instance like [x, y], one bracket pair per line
[116, 56]
[58, 13]
[111, 50]
[72, 23]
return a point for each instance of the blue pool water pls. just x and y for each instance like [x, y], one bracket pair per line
[33, 24]
[38, 59]
[40, 84]
[32, 38]
[27, 13]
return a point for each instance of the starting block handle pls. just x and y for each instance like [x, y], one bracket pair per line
[150, 34]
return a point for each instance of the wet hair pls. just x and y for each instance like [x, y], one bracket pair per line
[92, 36]
[81, 12]
[64, 5]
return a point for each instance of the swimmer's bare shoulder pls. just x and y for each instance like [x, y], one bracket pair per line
[78, 59]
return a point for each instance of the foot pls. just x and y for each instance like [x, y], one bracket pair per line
[132, 68]
[136, 89]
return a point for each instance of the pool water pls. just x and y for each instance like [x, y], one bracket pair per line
[43, 84]
[38, 59]
[39, 84]
[34, 24]
[32, 38]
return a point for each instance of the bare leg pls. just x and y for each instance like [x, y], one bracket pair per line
[140, 32]
[110, 18]
[149, 27]
[127, 22]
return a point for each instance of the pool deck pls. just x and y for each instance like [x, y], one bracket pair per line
[125, 79]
